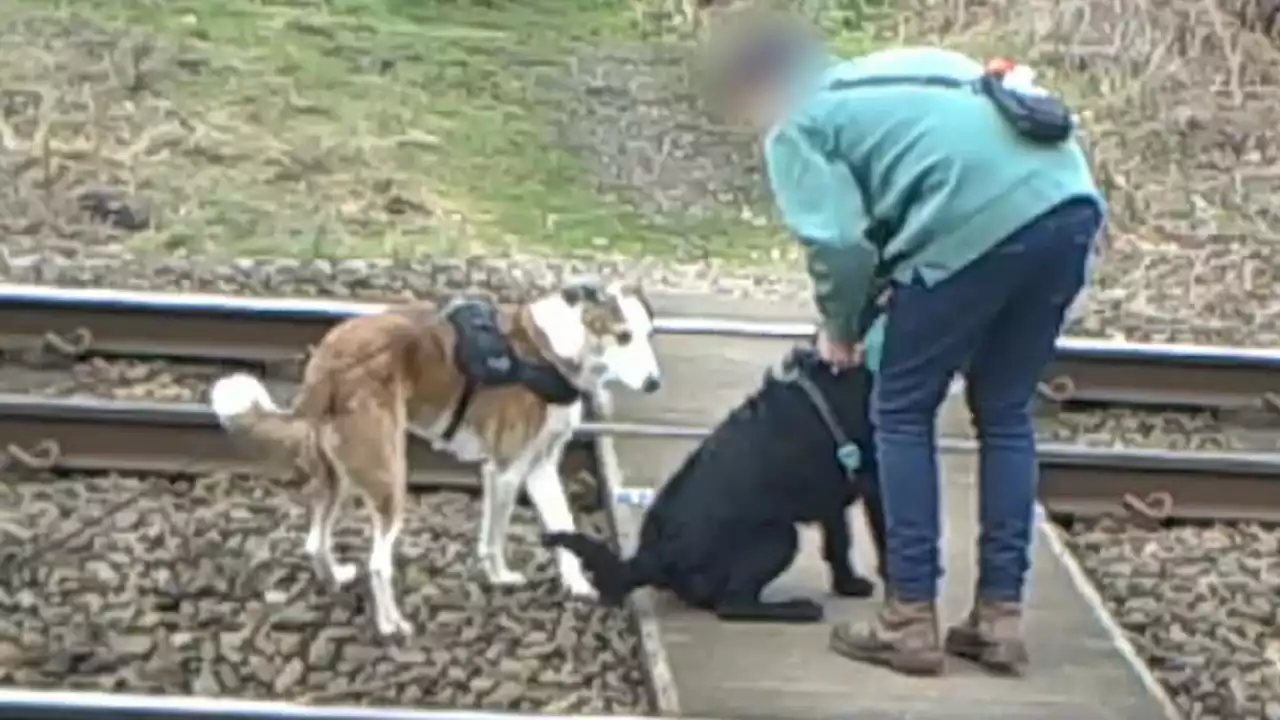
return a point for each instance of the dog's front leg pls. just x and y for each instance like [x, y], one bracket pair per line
[488, 486]
[385, 485]
[836, 549]
[501, 490]
[388, 511]
[546, 491]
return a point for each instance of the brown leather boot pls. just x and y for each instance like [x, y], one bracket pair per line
[903, 637]
[992, 637]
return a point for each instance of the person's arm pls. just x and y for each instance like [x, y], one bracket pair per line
[821, 204]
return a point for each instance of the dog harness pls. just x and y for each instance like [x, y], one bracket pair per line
[485, 358]
[847, 452]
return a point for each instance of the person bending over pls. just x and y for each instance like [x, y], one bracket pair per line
[899, 167]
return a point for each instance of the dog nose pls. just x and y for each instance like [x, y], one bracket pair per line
[651, 384]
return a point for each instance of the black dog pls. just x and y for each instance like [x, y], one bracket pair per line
[724, 526]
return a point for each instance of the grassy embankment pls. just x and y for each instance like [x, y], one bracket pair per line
[328, 129]
[397, 127]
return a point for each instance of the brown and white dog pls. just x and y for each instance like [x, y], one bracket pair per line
[371, 374]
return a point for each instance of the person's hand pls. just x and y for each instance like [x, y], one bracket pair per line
[839, 355]
[882, 300]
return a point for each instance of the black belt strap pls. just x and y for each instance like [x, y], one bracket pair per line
[937, 81]
[543, 379]
[460, 410]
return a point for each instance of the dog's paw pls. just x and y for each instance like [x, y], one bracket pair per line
[853, 586]
[803, 611]
[343, 574]
[506, 578]
[336, 575]
[580, 588]
[785, 611]
[394, 625]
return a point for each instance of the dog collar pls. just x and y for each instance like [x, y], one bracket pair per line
[848, 454]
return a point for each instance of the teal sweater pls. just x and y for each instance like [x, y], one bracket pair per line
[939, 165]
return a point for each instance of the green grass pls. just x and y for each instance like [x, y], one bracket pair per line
[339, 128]
[357, 127]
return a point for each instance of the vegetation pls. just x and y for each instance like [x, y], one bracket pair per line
[399, 127]
[287, 127]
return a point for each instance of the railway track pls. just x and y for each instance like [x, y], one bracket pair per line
[275, 332]
[198, 586]
[138, 558]
[1140, 438]
[141, 556]
[1187, 572]
[104, 435]
[49, 325]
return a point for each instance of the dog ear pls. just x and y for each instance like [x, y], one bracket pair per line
[635, 289]
[581, 290]
[572, 295]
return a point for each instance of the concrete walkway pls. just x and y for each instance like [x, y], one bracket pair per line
[785, 671]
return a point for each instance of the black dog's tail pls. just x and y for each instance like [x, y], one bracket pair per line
[613, 577]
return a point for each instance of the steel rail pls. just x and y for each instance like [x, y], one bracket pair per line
[278, 330]
[76, 705]
[1166, 376]
[1092, 482]
[94, 435]
[1086, 481]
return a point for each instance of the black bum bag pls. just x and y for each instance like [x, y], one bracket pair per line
[1043, 119]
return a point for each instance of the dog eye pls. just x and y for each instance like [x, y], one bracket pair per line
[624, 337]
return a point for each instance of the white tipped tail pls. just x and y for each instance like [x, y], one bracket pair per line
[235, 395]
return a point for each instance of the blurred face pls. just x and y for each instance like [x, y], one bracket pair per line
[758, 107]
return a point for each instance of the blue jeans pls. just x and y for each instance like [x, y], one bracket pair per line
[997, 321]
